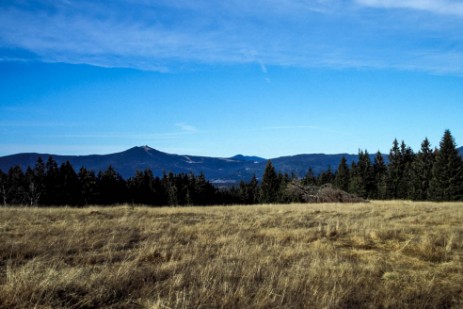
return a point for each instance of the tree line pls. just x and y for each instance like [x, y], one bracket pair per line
[430, 174]
[47, 184]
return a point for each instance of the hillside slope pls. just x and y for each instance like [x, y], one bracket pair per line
[219, 170]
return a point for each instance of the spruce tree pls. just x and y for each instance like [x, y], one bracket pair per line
[380, 177]
[3, 188]
[422, 171]
[405, 183]
[170, 187]
[270, 185]
[447, 172]
[52, 190]
[136, 188]
[249, 192]
[283, 181]
[161, 198]
[394, 169]
[399, 171]
[309, 178]
[253, 190]
[89, 186]
[366, 173]
[141, 187]
[327, 177]
[15, 186]
[112, 187]
[204, 193]
[356, 184]
[342, 175]
[362, 176]
[39, 177]
[70, 185]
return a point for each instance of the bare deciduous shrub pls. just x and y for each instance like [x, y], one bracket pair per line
[324, 194]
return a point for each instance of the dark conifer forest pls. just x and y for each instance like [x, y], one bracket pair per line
[430, 174]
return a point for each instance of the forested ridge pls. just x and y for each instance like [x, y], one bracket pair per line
[430, 174]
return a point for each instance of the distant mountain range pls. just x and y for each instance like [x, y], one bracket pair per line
[217, 170]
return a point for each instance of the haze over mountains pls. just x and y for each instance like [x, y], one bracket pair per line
[217, 170]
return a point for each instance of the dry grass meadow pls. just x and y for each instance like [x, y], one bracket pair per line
[372, 255]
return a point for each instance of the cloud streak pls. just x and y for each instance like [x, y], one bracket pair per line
[446, 7]
[186, 128]
[168, 35]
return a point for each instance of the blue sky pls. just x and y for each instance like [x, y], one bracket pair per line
[267, 78]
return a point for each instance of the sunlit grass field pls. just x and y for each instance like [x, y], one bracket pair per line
[372, 255]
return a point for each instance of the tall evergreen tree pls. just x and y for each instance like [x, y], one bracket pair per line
[366, 173]
[405, 183]
[356, 184]
[447, 172]
[380, 177]
[141, 187]
[170, 187]
[70, 186]
[400, 171]
[39, 178]
[89, 186]
[112, 187]
[15, 187]
[342, 175]
[309, 178]
[52, 186]
[394, 169]
[147, 189]
[270, 185]
[362, 176]
[326, 177]
[3, 188]
[422, 172]
[160, 195]
[283, 180]
[185, 184]
[249, 192]
[204, 193]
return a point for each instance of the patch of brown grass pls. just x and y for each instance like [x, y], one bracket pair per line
[375, 255]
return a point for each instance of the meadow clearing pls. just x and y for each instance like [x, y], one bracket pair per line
[370, 255]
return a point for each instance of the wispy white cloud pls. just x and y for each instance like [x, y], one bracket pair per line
[263, 68]
[169, 34]
[448, 7]
[186, 128]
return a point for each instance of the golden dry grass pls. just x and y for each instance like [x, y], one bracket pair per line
[375, 255]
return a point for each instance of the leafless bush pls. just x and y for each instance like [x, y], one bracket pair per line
[324, 194]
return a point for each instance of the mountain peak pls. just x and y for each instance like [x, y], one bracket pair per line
[142, 151]
[240, 157]
[144, 148]
[147, 148]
